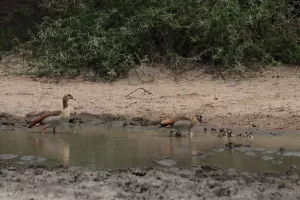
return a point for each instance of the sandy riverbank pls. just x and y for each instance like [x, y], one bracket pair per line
[269, 100]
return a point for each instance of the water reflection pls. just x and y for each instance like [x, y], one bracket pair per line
[117, 147]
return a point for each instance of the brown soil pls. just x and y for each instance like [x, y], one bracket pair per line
[268, 100]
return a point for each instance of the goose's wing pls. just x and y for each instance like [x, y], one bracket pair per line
[40, 119]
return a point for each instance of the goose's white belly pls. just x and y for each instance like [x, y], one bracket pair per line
[55, 121]
[183, 125]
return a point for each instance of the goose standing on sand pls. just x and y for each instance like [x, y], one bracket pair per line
[55, 118]
[181, 123]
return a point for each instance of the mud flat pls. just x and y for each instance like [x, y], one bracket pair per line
[201, 182]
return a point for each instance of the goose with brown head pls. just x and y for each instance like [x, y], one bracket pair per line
[182, 123]
[54, 118]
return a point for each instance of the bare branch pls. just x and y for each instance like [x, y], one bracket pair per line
[145, 91]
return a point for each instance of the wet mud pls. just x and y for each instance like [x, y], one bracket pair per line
[200, 182]
[10, 122]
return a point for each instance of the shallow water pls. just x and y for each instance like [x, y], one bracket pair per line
[119, 147]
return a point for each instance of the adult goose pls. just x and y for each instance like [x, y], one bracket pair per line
[181, 123]
[54, 118]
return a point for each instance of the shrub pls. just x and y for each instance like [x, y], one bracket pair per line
[107, 38]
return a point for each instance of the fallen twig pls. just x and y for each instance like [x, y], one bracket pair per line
[145, 91]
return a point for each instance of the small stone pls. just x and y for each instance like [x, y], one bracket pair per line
[12, 169]
[252, 124]
[139, 173]
[96, 179]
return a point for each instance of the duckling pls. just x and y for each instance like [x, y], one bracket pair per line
[244, 135]
[226, 134]
[229, 131]
[230, 145]
[281, 150]
[222, 135]
[238, 145]
[230, 134]
[249, 135]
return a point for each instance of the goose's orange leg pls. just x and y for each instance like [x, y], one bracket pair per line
[43, 130]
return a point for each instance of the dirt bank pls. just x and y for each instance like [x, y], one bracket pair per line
[201, 182]
[268, 100]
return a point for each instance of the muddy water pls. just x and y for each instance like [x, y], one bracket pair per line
[119, 147]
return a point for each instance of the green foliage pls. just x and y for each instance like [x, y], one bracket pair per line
[15, 29]
[106, 38]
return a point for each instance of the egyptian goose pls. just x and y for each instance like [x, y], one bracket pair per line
[181, 123]
[54, 118]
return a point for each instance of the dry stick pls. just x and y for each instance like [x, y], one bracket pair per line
[145, 91]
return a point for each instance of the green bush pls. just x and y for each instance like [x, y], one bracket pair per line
[15, 28]
[108, 38]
